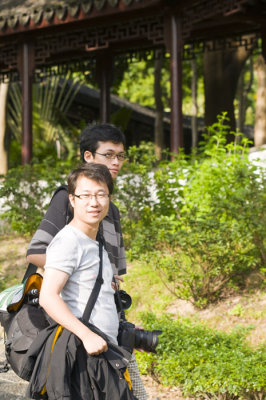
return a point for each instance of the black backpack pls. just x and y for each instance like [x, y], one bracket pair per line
[23, 320]
[21, 330]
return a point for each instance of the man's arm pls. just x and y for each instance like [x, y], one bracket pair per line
[37, 259]
[53, 282]
[53, 221]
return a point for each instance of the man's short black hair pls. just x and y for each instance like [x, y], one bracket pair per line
[94, 171]
[93, 134]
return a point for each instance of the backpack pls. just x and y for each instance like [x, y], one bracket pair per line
[23, 329]
[21, 320]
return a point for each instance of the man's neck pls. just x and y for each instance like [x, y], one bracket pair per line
[89, 230]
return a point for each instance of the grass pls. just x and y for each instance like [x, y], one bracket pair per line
[147, 291]
[12, 259]
[149, 294]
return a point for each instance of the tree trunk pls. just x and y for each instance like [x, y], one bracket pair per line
[194, 124]
[158, 126]
[221, 72]
[260, 117]
[3, 150]
[243, 91]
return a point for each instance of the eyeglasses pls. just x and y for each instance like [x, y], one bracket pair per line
[112, 156]
[88, 196]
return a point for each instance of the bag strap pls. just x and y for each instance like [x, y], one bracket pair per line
[32, 269]
[97, 287]
[69, 213]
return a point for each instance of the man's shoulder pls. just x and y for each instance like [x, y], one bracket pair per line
[68, 236]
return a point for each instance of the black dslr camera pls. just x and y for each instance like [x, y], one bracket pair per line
[131, 338]
[128, 336]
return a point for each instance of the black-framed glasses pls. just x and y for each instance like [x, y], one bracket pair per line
[88, 196]
[112, 156]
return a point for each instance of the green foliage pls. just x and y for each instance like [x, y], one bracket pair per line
[121, 118]
[133, 188]
[205, 230]
[53, 134]
[204, 362]
[137, 83]
[26, 191]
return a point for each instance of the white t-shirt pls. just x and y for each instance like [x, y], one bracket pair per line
[76, 254]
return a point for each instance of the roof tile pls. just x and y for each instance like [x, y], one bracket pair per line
[13, 12]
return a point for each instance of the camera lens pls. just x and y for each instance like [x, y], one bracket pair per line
[125, 299]
[146, 340]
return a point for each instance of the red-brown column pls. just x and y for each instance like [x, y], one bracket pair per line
[176, 85]
[26, 62]
[104, 73]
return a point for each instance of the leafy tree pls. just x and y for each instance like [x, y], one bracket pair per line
[52, 131]
[221, 73]
[260, 122]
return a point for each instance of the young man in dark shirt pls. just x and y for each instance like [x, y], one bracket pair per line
[104, 144]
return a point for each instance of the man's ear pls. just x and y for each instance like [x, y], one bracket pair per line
[71, 200]
[88, 156]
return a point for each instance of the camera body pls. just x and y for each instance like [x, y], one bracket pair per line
[123, 300]
[129, 337]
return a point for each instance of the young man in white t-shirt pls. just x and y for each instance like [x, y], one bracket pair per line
[72, 262]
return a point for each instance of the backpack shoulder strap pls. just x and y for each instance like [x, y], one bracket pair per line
[61, 187]
[69, 214]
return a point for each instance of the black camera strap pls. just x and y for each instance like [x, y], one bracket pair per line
[97, 287]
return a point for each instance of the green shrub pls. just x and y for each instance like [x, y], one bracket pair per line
[203, 362]
[26, 191]
[207, 230]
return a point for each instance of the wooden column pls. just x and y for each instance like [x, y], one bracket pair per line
[104, 75]
[176, 84]
[26, 67]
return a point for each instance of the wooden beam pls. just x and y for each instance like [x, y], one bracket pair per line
[104, 68]
[26, 67]
[176, 140]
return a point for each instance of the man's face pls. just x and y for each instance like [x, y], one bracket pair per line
[89, 210]
[101, 156]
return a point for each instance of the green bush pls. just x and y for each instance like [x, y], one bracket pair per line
[203, 362]
[207, 230]
[26, 191]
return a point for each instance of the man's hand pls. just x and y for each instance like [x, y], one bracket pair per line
[94, 344]
[141, 329]
[116, 284]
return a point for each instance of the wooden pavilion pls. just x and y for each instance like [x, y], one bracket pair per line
[38, 35]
